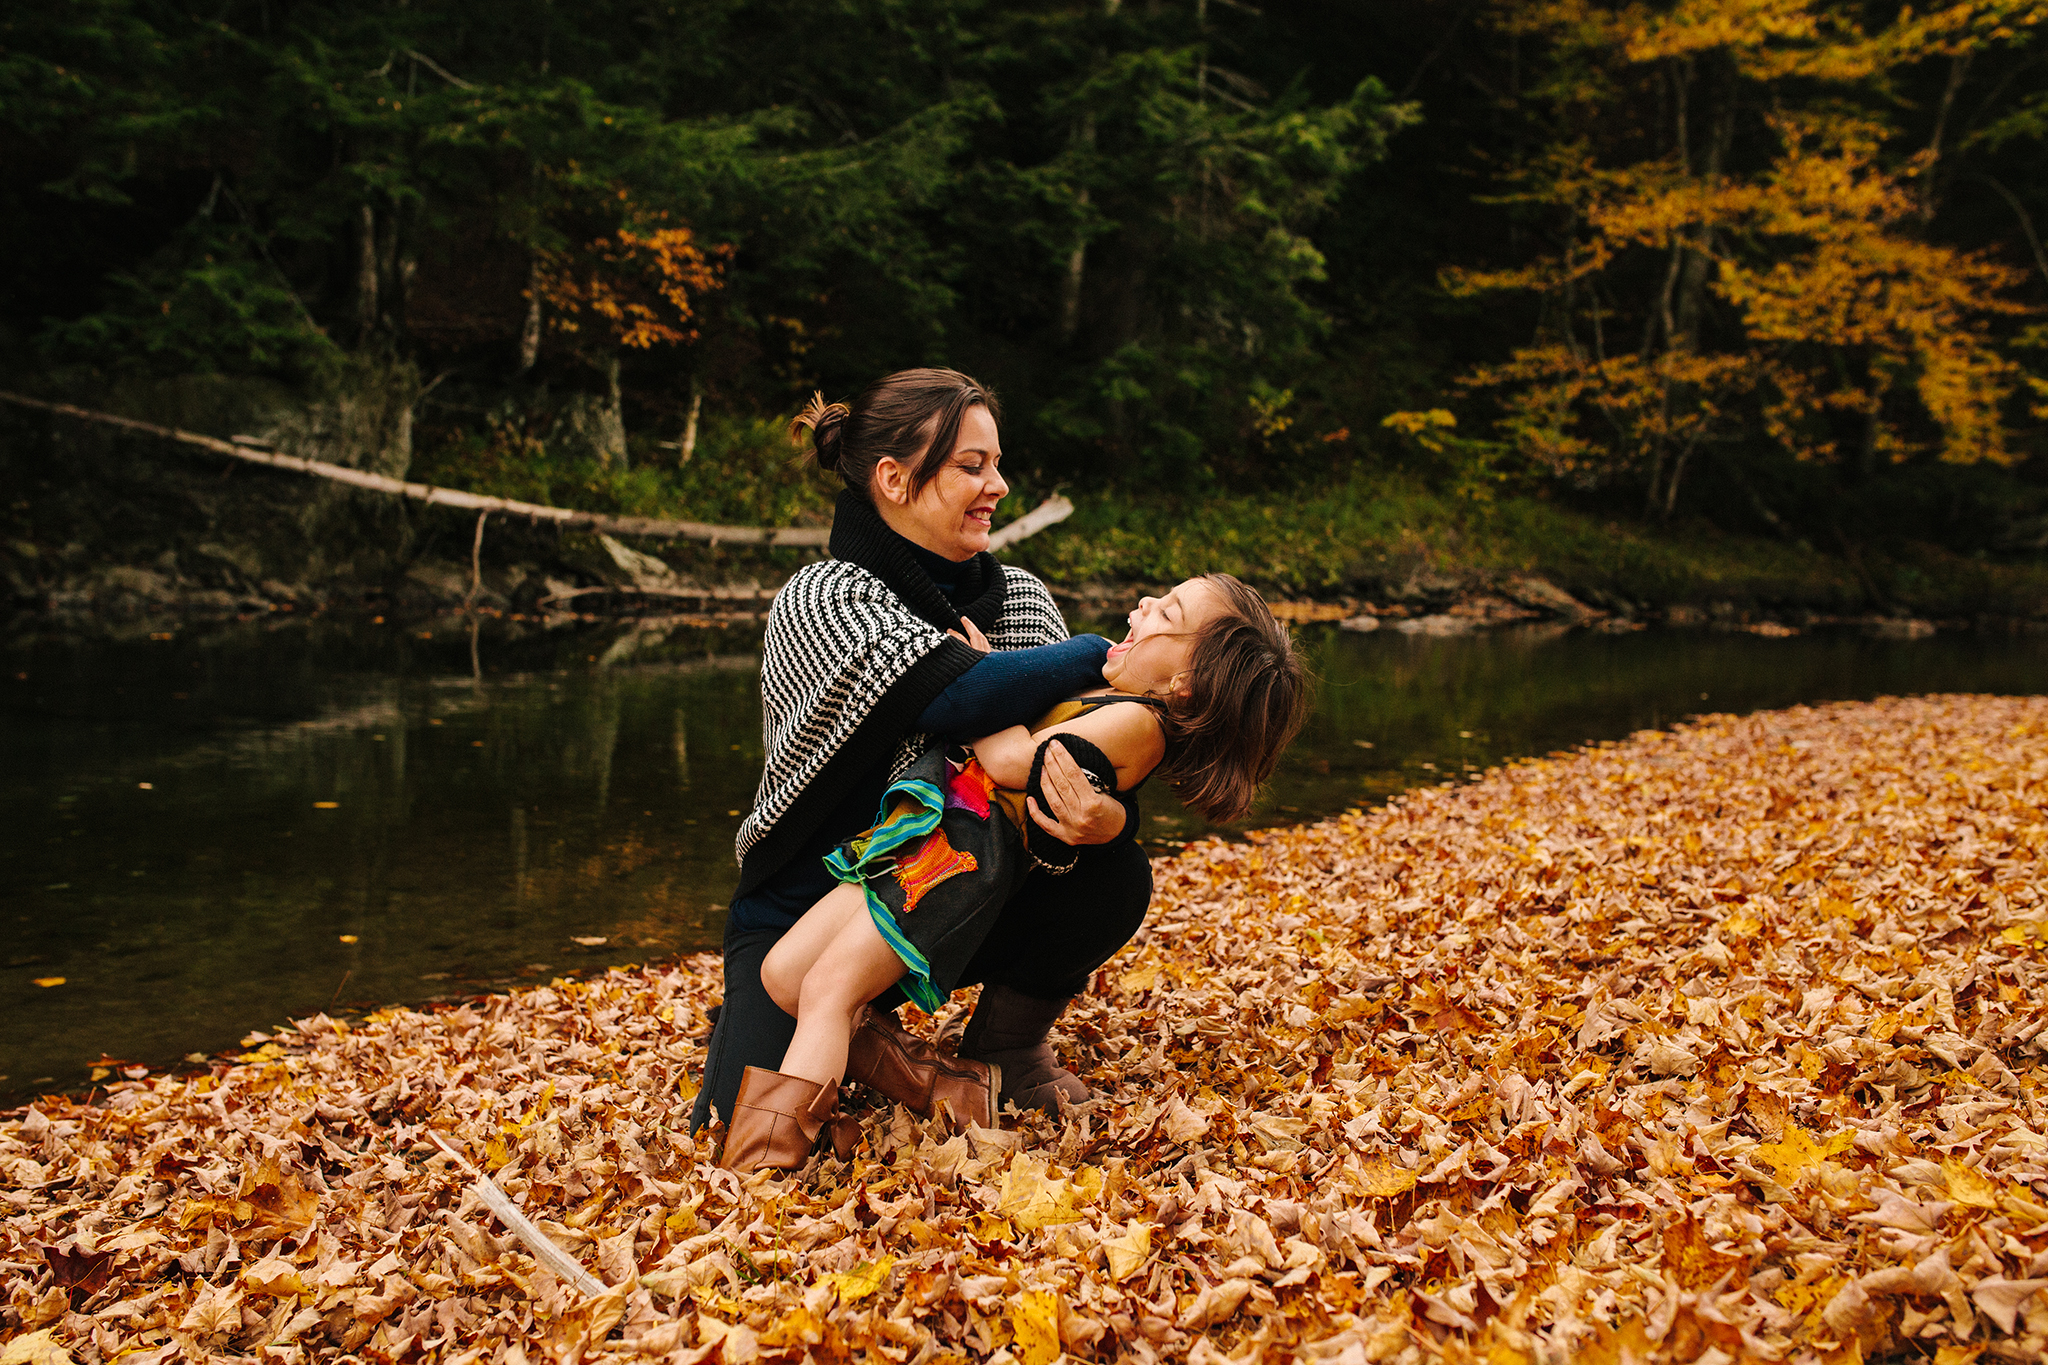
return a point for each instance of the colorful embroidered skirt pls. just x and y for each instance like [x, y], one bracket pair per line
[938, 865]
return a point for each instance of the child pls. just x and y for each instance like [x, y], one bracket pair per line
[1211, 692]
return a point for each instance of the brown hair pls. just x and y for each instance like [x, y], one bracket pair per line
[911, 416]
[1247, 698]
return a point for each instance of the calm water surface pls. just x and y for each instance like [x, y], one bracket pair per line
[240, 824]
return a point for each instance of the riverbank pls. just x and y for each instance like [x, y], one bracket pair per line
[116, 533]
[1722, 1039]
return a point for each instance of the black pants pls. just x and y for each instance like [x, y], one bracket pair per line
[1051, 937]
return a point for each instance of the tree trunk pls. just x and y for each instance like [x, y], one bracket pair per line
[1070, 286]
[689, 444]
[366, 273]
[611, 432]
[1699, 256]
[1671, 485]
[1958, 70]
[1077, 260]
[529, 332]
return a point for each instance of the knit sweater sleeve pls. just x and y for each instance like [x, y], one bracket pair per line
[845, 670]
[1014, 687]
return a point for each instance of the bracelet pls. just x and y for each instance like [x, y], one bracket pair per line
[1050, 869]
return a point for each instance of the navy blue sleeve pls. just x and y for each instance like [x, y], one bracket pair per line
[1015, 687]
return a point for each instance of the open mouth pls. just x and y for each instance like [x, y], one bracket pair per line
[1120, 648]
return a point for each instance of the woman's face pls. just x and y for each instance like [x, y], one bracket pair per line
[1153, 659]
[950, 515]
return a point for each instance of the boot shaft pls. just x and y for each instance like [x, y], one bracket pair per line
[776, 1120]
[912, 1072]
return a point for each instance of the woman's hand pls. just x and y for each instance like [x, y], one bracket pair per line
[1080, 814]
[973, 638]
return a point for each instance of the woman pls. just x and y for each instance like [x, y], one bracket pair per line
[910, 633]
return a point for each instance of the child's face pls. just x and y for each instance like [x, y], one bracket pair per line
[1153, 659]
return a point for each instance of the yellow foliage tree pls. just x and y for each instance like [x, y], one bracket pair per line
[1795, 299]
[633, 287]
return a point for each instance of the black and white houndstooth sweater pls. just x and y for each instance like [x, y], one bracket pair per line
[855, 650]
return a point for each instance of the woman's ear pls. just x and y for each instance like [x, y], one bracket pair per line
[892, 481]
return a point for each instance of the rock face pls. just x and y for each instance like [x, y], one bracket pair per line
[1543, 596]
[591, 425]
[640, 570]
[120, 527]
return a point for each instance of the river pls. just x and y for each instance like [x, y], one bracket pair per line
[214, 831]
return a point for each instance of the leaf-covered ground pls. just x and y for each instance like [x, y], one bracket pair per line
[1722, 1043]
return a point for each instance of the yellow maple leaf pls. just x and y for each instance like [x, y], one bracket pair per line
[1128, 1252]
[1968, 1186]
[1798, 1153]
[1691, 1259]
[1031, 1199]
[1142, 977]
[1809, 1297]
[1381, 1178]
[864, 1279]
[1035, 1321]
[989, 1228]
[276, 1277]
[36, 1348]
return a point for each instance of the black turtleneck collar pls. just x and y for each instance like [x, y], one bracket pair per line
[939, 590]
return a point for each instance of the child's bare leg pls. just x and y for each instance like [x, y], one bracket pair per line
[782, 971]
[855, 967]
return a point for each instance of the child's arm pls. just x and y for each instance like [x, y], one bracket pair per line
[1127, 733]
[1006, 756]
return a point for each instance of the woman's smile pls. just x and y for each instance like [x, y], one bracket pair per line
[952, 515]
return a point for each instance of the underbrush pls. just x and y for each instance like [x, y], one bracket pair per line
[1385, 532]
[1379, 532]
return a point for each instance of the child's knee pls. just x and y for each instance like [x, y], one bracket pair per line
[827, 988]
[782, 985]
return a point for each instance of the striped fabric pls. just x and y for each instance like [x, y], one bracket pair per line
[838, 638]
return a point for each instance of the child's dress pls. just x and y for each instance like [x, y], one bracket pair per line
[949, 847]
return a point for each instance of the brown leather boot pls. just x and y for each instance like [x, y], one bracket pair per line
[918, 1076]
[776, 1121]
[1009, 1030]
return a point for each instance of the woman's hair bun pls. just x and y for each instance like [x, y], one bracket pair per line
[827, 424]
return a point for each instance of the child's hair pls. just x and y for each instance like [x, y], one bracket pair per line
[1247, 698]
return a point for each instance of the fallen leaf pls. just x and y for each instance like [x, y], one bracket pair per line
[1035, 1325]
[35, 1348]
[1182, 1124]
[1967, 1186]
[1798, 1153]
[2000, 1299]
[1032, 1200]
[1381, 1178]
[863, 1280]
[1127, 1252]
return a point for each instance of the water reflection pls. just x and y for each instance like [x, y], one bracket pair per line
[212, 833]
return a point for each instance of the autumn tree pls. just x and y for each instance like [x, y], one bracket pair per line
[632, 288]
[1748, 261]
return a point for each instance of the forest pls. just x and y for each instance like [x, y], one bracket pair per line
[1734, 272]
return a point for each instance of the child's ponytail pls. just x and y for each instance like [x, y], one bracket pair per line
[1247, 698]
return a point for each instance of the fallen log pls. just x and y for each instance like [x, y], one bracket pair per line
[1046, 514]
